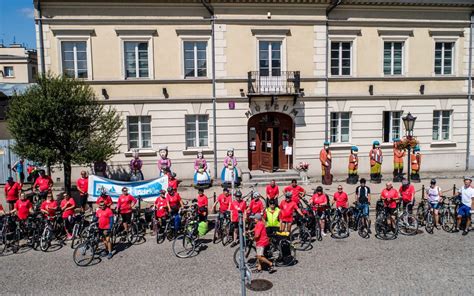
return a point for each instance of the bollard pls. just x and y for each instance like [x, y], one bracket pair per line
[454, 189]
[214, 198]
[422, 191]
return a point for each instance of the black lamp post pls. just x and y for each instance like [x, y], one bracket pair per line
[409, 122]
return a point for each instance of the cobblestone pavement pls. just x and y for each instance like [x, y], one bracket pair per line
[436, 264]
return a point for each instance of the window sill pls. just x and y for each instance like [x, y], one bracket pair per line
[142, 152]
[443, 144]
[386, 145]
[340, 146]
[194, 151]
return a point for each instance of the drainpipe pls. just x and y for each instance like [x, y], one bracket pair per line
[210, 9]
[469, 94]
[334, 4]
[41, 41]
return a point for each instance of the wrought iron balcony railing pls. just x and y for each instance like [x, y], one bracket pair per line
[287, 83]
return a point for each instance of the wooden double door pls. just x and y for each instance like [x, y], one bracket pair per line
[269, 134]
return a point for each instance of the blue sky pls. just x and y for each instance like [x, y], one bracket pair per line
[17, 21]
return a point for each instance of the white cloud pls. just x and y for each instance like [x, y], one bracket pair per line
[27, 12]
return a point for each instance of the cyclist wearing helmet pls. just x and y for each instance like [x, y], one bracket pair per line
[467, 202]
[256, 204]
[434, 197]
[295, 190]
[319, 201]
[202, 203]
[238, 205]
[125, 204]
[287, 210]
[175, 202]
[162, 207]
[104, 197]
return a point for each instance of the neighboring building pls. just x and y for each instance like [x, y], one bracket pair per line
[151, 60]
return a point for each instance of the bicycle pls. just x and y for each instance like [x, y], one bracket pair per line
[338, 226]
[406, 222]
[222, 231]
[383, 229]
[421, 211]
[358, 221]
[448, 213]
[164, 229]
[88, 249]
[185, 244]
[10, 235]
[52, 229]
[79, 229]
[301, 235]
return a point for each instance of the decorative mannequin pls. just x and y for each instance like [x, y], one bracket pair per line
[415, 159]
[136, 164]
[398, 155]
[201, 172]
[325, 158]
[230, 165]
[376, 159]
[353, 166]
[164, 163]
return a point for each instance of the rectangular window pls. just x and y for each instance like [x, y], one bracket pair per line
[340, 127]
[393, 58]
[441, 125]
[391, 125]
[195, 58]
[269, 54]
[74, 58]
[341, 58]
[8, 71]
[139, 132]
[136, 59]
[444, 58]
[196, 131]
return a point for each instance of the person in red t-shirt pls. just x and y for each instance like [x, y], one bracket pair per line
[125, 204]
[105, 198]
[407, 193]
[238, 205]
[23, 208]
[49, 207]
[272, 192]
[44, 184]
[172, 181]
[296, 191]
[319, 201]
[202, 203]
[82, 186]
[261, 241]
[175, 202]
[105, 220]
[224, 199]
[390, 197]
[67, 206]
[341, 201]
[287, 210]
[256, 205]
[12, 192]
[162, 207]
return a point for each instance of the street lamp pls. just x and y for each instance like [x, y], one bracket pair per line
[409, 122]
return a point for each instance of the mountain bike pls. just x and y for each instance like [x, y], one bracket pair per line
[448, 213]
[407, 223]
[301, 235]
[358, 221]
[10, 235]
[52, 230]
[185, 244]
[222, 231]
[86, 251]
[383, 229]
[79, 229]
[338, 226]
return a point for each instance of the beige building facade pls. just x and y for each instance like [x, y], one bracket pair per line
[286, 75]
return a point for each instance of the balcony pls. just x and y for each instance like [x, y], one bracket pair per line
[288, 83]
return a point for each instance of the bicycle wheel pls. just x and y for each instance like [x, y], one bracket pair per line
[285, 257]
[301, 239]
[407, 224]
[183, 246]
[383, 230]
[75, 236]
[362, 228]
[449, 220]
[250, 255]
[420, 215]
[226, 235]
[84, 254]
[161, 233]
[133, 235]
[317, 231]
[339, 229]
[217, 234]
[45, 240]
[429, 224]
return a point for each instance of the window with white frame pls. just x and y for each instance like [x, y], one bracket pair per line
[139, 132]
[136, 59]
[269, 55]
[340, 127]
[444, 58]
[196, 131]
[74, 59]
[195, 59]
[441, 125]
[393, 58]
[341, 54]
[8, 71]
[392, 125]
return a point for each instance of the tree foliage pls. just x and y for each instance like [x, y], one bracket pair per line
[60, 121]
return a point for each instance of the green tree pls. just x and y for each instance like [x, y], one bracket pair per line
[60, 121]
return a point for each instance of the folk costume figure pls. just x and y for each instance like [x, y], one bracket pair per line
[376, 159]
[230, 168]
[325, 158]
[202, 176]
[415, 159]
[164, 163]
[136, 164]
[353, 177]
[398, 156]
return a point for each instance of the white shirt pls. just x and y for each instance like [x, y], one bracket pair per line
[433, 194]
[466, 195]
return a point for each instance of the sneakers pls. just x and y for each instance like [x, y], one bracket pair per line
[455, 230]
[234, 244]
[69, 237]
[465, 232]
[271, 270]
[110, 255]
[323, 233]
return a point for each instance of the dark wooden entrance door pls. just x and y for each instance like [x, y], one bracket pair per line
[269, 134]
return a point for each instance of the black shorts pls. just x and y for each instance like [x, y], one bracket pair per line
[83, 199]
[126, 218]
[235, 225]
[104, 233]
[390, 211]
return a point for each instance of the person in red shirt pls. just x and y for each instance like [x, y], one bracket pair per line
[172, 181]
[162, 207]
[105, 221]
[23, 208]
[49, 206]
[341, 201]
[319, 202]
[175, 202]
[261, 242]
[202, 203]
[44, 184]
[67, 206]
[82, 186]
[12, 192]
[224, 199]
[296, 191]
[105, 198]
[287, 209]
[407, 193]
[125, 204]
[272, 192]
[238, 205]
[390, 197]
[256, 205]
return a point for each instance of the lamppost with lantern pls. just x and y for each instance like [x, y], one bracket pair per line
[409, 122]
